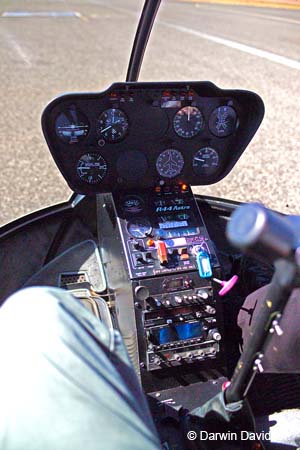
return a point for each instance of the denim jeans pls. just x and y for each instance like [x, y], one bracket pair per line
[66, 381]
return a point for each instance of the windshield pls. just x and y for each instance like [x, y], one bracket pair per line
[50, 47]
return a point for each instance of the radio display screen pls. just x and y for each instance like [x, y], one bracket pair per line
[179, 332]
[174, 284]
[173, 224]
[176, 232]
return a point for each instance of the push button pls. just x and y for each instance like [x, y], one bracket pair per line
[182, 251]
[184, 257]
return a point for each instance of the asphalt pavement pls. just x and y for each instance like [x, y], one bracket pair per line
[240, 47]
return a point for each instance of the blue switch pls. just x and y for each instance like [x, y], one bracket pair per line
[204, 265]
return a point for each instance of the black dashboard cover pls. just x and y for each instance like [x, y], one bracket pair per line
[148, 119]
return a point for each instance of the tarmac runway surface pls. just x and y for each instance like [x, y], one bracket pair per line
[241, 47]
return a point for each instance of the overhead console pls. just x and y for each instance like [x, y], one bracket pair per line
[140, 135]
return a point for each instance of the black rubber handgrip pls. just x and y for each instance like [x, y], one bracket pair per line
[260, 232]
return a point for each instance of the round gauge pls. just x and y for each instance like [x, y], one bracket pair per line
[222, 121]
[112, 125]
[133, 204]
[139, 228]
[169, 163]
[188, 122]
[205, 161]
[71, 125]
[91, 168]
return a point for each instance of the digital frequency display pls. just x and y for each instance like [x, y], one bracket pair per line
[173, 224]
[178, 332]
[176, 232]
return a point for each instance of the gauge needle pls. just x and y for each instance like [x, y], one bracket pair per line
[199, 159]
[188, 114]
[107, 128]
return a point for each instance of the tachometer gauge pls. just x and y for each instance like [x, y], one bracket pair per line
[71, 125]
[169, 163]
[222, 121]
[112, 125]
[139, 228]
[205, 161]
[188, 122]
[91, 168]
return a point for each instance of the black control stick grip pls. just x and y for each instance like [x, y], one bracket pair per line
[260, 232]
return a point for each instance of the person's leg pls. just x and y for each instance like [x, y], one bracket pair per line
[283, 352]
[66, 381]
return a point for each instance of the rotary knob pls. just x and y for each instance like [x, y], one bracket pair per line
[153, 302]
[141, 293]
[157, 361]
[178, 299]
[203, 294]
[209, 309]
[215, 335]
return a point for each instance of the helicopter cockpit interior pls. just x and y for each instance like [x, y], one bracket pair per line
[140, 147]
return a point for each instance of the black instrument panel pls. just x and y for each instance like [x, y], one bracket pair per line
[147, 134]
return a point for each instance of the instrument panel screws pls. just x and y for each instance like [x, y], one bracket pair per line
[258, 365]
[277, 328]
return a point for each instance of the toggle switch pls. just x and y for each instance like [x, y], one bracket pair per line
[137, 245]
[162, 252]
